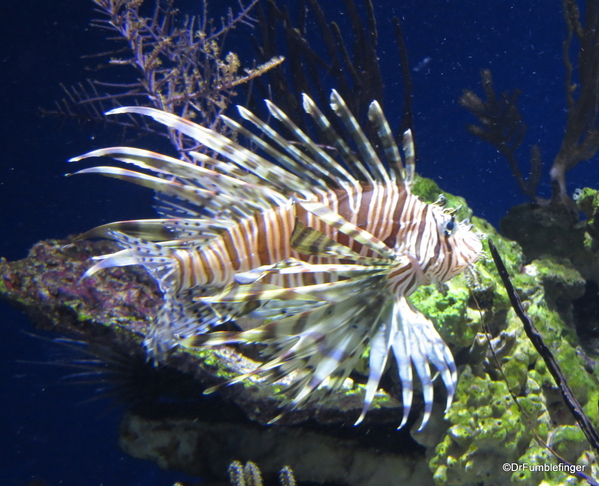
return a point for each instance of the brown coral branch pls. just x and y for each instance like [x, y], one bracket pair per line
[407, 119]
[349, 61]
[178, 63]
[500, 124]
[581, 138]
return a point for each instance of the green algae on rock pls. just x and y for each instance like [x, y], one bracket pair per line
[487, 428]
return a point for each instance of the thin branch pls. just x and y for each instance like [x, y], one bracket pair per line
[552, 365]
[581, 137]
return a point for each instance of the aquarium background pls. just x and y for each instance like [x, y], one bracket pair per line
[56, 433]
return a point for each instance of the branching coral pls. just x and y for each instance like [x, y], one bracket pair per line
[581, 139]
[179, 63]
[501, 124]
[318, 51]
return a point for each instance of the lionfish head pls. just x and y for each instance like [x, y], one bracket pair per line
[464, 246]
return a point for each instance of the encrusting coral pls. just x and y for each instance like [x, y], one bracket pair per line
[488, 428]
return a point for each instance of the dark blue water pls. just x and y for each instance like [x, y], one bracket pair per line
[47, 432]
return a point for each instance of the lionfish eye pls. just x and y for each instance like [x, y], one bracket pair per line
[449, 227]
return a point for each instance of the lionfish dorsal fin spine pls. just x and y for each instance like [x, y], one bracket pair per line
[244, 158]
[172, 188]
[381, 125]
[353, 164]
[288, 163]
[369, 155]
[326, 166]
[410, 154]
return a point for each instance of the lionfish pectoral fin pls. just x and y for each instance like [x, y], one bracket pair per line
[418, 341]
[323, 338]
[380, 344]
[240, 293]
[232, 381]
[400, 350]
[277, 418]
[321, 344]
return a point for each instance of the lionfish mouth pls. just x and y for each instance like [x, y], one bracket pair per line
[323, 253]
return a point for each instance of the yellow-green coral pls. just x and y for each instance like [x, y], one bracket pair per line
[487, 428]
[448, 308]
[488, 431]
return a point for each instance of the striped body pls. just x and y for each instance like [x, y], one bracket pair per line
[394, 215]
[264, 238]
[324, 252]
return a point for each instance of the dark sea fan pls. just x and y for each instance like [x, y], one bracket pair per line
[126, 378]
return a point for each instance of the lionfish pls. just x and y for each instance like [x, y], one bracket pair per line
[322, 254]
